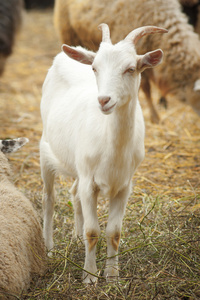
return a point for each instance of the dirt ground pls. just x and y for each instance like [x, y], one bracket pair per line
[170, 171]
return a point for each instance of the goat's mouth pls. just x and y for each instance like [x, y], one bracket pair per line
[107, 110]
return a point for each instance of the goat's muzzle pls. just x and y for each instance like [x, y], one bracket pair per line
[103, 100]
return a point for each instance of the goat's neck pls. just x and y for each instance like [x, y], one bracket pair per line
[121, 124]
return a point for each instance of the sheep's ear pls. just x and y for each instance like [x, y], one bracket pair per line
[84, 57]
[8, 146]
[149, 60]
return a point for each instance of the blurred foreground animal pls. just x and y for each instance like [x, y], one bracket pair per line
[178, 76]
[10, 21]
[22, 250]
[93, 130]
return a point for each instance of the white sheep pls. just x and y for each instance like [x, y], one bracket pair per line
[178, 75]
[22, 249]
[93, 130]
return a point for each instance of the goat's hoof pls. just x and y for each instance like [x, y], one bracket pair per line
[50, 253]
[111, 274]
[88, 278]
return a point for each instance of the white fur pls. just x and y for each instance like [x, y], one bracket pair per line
[99, 146]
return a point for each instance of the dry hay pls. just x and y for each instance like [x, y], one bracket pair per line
[159, 253]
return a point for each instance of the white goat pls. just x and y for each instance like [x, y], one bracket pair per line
[94, 132]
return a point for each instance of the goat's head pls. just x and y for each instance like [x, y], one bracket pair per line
[117, 67]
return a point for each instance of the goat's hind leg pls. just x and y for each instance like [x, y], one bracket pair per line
[48, 201]
[78, 214]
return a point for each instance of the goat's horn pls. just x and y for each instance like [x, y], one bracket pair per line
[105, 33]
[136, 34]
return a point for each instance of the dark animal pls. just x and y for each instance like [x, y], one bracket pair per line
[190, 8]
[41, 4]
[10, 21]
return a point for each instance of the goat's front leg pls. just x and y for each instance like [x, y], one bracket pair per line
[91, 233]
[113, 232]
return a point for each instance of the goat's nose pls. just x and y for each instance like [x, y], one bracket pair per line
[103, 100]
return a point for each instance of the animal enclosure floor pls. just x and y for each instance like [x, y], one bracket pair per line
[167, 184]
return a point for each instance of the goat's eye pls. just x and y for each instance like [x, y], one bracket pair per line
[94, 70]
[130, 70]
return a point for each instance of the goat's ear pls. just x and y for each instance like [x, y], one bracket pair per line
[83, 56]
[149, 60]
[8, 146]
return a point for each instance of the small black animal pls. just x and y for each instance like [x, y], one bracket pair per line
[10, 21]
